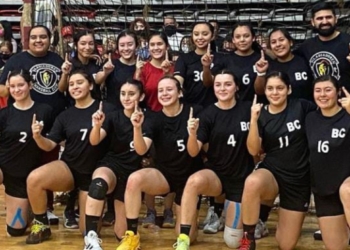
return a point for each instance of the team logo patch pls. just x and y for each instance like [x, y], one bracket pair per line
[325, 63]
[46, 78]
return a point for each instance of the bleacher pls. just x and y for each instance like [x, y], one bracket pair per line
[111, 16]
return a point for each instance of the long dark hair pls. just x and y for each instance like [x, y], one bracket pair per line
[8, 36]
[255, 45]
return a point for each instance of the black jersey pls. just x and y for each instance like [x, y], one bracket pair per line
[226, 131]
[19, 153]
[120, 131]
[169, 136]
[115, 80]
[46, 73]
[299, 74]
[189, 66]
[74, 126]
[328, 57]
[329, 144]
[284, 139]
[244, 69]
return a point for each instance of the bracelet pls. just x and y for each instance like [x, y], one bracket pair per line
[261, 74]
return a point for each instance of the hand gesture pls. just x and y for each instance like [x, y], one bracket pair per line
[137, 117]
[108, 67]
[192, 124]
[262, 65]
[207, 58]
[345, 101]
[66, 66]
[37, 127]
[98, 117]
[255, 109]
[97, 58]
[166, 64]
[139, 63]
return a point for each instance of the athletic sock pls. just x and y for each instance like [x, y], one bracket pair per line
[132, 224]
[250, 230]
[91, 223]
[264, 212]
[110, 204]
[185, 229]
[42, 218]
[72, 197]
[218, 208]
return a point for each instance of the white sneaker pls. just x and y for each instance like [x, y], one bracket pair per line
[261, 230]
[207, 218]
[92, 242]
[53, 219]
[213, 226]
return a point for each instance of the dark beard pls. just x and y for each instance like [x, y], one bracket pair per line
[326, 32]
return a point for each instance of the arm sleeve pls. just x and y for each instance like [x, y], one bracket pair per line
[220, 63]
[180, 67]
[57, 132]
[203, 132]
[307, 106]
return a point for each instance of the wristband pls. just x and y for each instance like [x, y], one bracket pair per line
[261, 74]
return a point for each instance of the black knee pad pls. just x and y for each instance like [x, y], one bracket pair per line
[98, 189]
[16, 232]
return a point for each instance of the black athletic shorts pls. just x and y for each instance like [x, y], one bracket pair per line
[122, 175]
[231, 187]
[15, 186]
[81, 181]
[329, 205]
[294, 196]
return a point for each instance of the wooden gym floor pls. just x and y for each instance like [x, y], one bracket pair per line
[64, 239]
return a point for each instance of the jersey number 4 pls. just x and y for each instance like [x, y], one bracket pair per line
[231, 141]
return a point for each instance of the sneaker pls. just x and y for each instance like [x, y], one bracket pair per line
[130, 241]
[38, 233]
[183, 242]
[207, 218]
[150, 218]
[76, 214]
[108, 219]
[261, 230]
[247, 244]
[213, 226]
[169, 221]
[92, 242]
[53, 219]
[69, 219]
[318, 235]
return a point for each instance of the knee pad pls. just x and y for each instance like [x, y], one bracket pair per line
[16, 232]
[232, 237]
[98, 189]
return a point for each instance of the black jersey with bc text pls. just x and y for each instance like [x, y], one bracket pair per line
[299, 74]
[329, 144]
[169, 136]
[46, 73]
[226, 131]
[121, 133]
[328, 57]
[74, 126]
[115, 80]
[19, 153]
[243, 67]
[190, 68]
[284, 139]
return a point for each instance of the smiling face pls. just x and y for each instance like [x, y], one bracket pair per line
[129, 94]
[157, 47]
[127, 47]
[79, 87]
[325, 95]
[19, 88]
[243, 39]
[86, 46]
[225, 87]
[168, 92]
[201, 36]
[276, 91]
[39, 41]
[280, 45]
[324, 22]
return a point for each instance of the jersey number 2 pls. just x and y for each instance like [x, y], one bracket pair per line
[24, 137]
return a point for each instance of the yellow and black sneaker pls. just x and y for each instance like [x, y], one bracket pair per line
[38, 233]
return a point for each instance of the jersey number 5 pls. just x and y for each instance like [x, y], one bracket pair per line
[24, 137]
[180, 145]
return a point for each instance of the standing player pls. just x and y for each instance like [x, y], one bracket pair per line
[19, 154]
[78, 160]
[327, 53]
[114, 169]
[224, 126]
[329, 143]
[190, 68]
[281, 43]
[168, 133]
[278, 128]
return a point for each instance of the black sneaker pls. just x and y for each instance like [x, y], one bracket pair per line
[69, 219]
[38, 233]
[53, 219]
[108, 219]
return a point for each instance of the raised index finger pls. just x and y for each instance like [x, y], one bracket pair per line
[100, 107]
[191, 113]
[110, 57]
[208, 49]
[136, 106]
[347, 94]
[34, 119]
[255, 99]
[166, 55]
[262, 55]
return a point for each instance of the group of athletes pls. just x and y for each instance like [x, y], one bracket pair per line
[205, 122]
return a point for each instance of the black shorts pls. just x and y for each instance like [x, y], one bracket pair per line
[122, 175]
[329, 205]
[81, 181]
[176, 184]
[294, 196]
[15, 186]
[231, 187]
